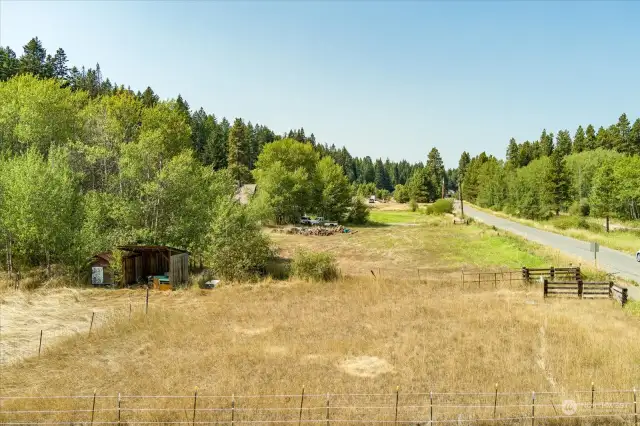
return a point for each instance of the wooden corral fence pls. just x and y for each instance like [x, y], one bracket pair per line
[571, 273]
[585, 290]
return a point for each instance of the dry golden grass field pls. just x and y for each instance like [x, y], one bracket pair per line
[358, 334]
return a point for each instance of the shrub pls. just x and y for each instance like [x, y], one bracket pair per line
[441, 206]
[314, 266]
[238, 248]
[401, 194]
[581, 208]
[358, 212]
[413, 205]
[573, 222]
[565, 222]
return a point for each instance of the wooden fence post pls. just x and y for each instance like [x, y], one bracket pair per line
[301, 403]
[93, 406]
[495, 402]
[546, 287]
[40, 346]
[195, 401]
[395, 419]
[580, 288]
[93, 314]
[552, 272]
[578, 273]
[610, 289]
[431, 407]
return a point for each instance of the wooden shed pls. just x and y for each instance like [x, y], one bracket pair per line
[143, 264]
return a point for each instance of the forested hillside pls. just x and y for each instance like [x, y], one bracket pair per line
[88, 164]
[593, 173]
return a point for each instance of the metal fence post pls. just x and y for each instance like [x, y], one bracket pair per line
[533, 409]
[118, 408]
[635, 407]
[40, 346]
[233, 408]
[495, 402]
[593, 389]
[327, 409]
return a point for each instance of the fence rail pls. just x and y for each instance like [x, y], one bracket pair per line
[398, 408]
[585, 290]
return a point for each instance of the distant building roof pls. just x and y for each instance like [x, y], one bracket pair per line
[245, 192]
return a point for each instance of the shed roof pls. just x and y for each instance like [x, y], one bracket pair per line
[140, 248]
[245, 192]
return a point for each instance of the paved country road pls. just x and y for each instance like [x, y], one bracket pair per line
[613, 261]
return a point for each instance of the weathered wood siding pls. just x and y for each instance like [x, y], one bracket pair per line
[179, 271]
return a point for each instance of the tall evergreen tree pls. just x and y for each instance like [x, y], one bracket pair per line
[463, 163]
[579, 141]
[33, 59]
[237, 152]
[60, 68]
[556, 183]
[526, 154]
[623, 140]
[8, 63]
[546, 143]
[590, 138]
[183, 107]
[634, 137]
[436, 171]
[513, 152]
[603, 193]
[381, 177]
[149, 98]
[563, 142]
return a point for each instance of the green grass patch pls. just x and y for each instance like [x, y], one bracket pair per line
[382, 216]
[633, 307]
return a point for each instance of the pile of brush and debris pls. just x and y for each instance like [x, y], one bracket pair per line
[314, 230]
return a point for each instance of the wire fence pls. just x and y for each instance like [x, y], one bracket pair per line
[618, 407]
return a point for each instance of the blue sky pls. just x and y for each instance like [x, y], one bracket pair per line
[384, 79]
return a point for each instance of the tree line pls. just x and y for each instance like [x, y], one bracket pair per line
[210, 135]
[87, 165]
[591, 173]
